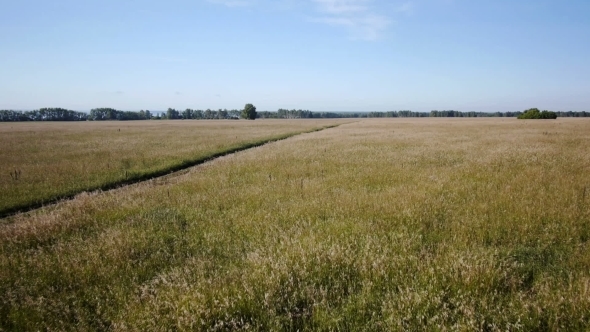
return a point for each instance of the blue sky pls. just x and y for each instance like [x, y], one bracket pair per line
[321, 55]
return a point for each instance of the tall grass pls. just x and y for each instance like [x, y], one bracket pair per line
[42, 162]
[379, 225]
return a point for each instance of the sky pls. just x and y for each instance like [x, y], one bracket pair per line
[320, 55]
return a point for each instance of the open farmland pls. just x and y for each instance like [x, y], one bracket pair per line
[40, 162]
[395, 224]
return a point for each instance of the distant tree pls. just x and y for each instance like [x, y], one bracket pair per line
[103, 113]
[249, 112]
[568, 114]
[198, 114]
[172, 114]
[222, 114]
[534, 113]
[548, 115]
[187, 114]
[234, 114]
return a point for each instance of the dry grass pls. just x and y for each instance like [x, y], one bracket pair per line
[40, 162]
[463, 224]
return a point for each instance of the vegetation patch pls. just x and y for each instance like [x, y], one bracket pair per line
[534, 113]
[353, 228]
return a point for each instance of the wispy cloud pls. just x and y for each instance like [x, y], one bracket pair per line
[369, 27]
[233, 3]
[405, 8]
[356, 15]
[338, 7]
[362, 18]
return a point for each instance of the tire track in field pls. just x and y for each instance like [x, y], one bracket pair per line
[157, 174]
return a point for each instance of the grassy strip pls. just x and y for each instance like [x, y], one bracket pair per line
[41, 160]
[135, 177]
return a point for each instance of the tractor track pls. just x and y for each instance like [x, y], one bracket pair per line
[24, 208]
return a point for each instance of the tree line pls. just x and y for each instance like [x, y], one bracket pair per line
[439, 114]
[102, 114]
[283, 113]
[458, 114]
[398, 114]
[571, 114]
[43, 114]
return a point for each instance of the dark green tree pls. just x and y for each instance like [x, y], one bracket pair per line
[548, 115]
[187, 114]
[172, 114]
[249, 112]
[534, 113]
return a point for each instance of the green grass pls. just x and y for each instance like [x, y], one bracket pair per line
[377, 225]
[43, 162]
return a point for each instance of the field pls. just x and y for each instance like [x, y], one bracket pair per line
[42, 162]
[388, 224]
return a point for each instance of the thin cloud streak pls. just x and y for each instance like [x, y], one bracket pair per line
[338, 7]
[356, 15]
[359, 17]
[367, 28]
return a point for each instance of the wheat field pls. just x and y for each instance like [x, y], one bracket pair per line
[44, 161]
[380, 225]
